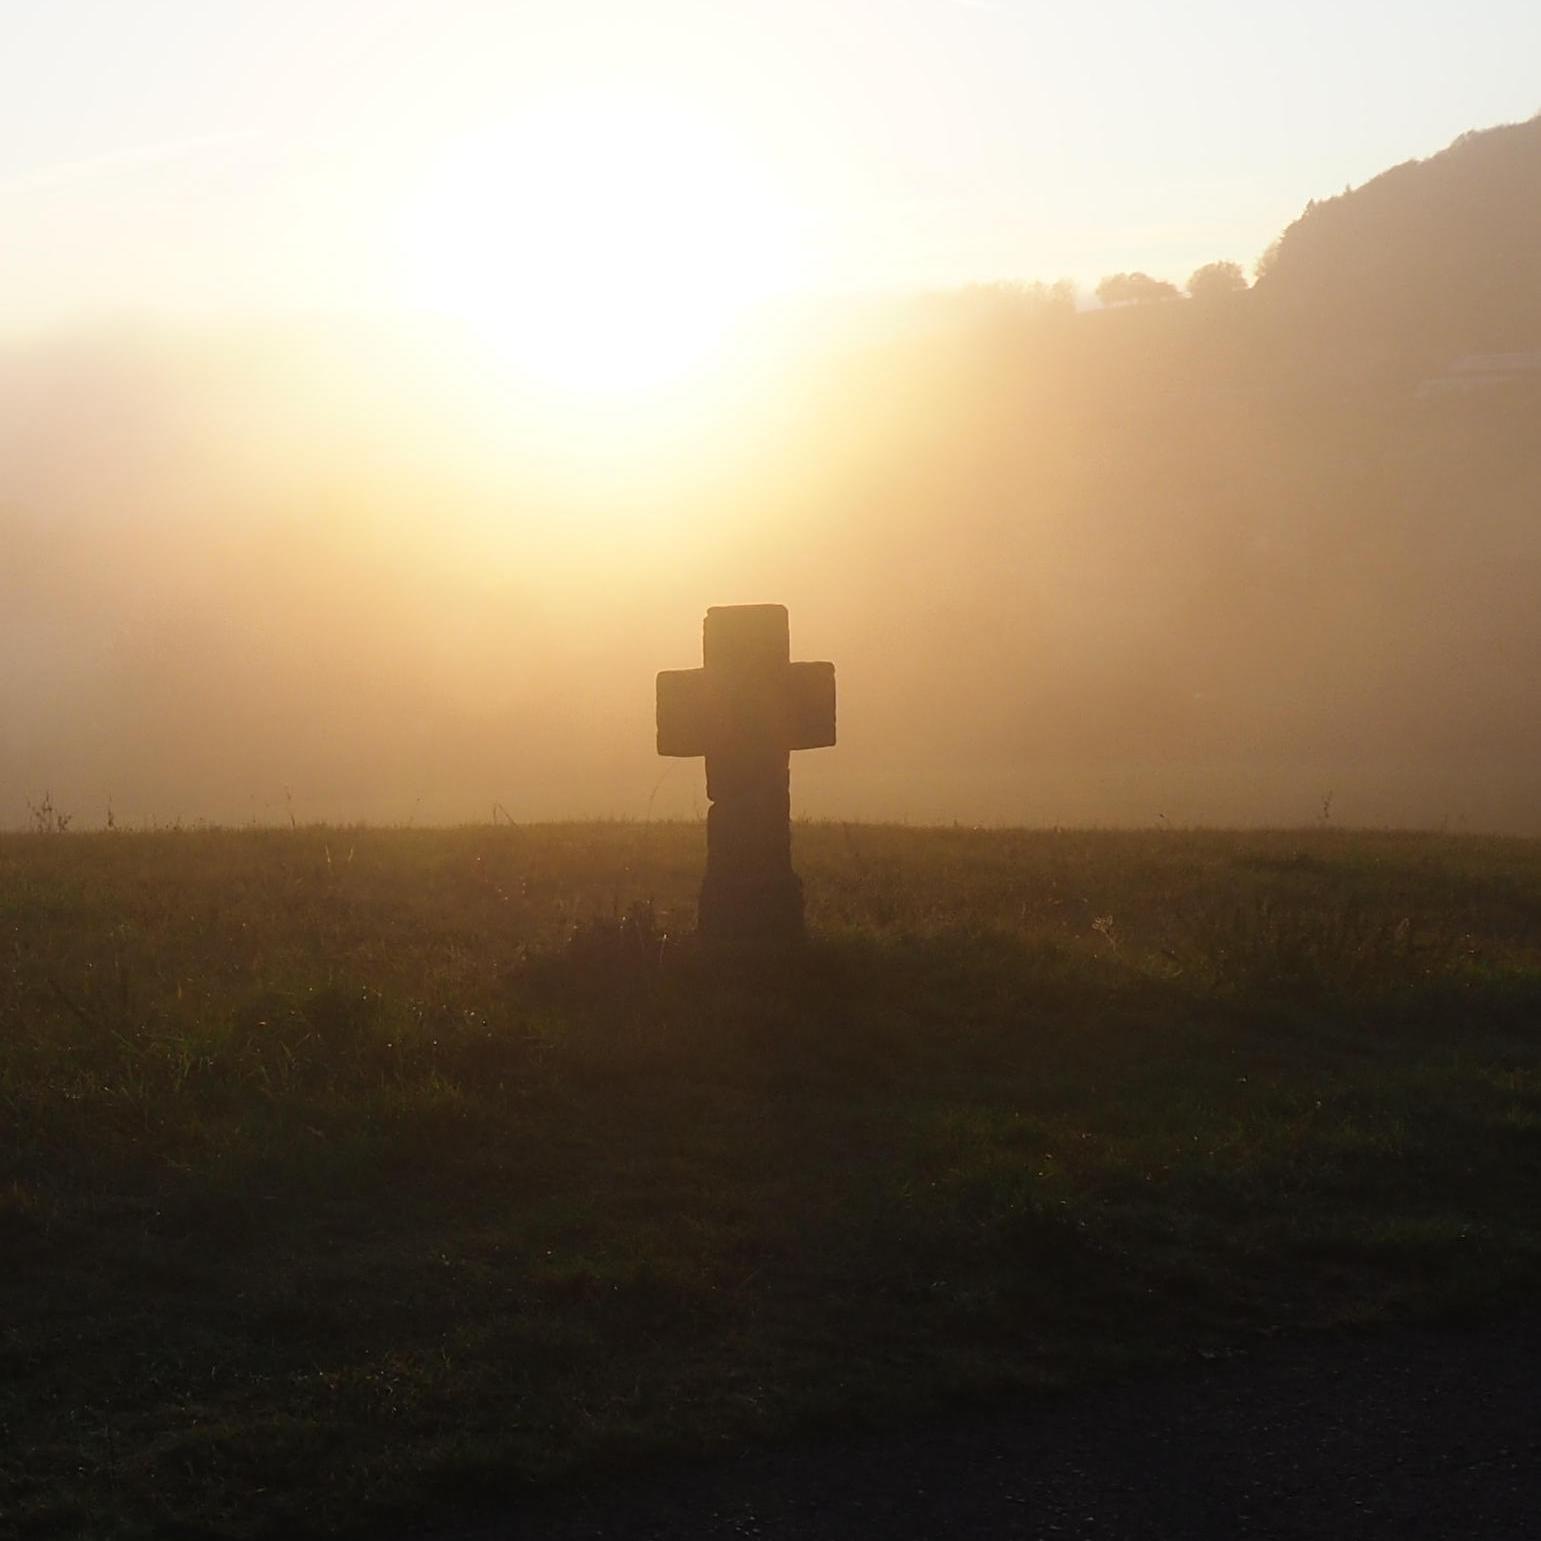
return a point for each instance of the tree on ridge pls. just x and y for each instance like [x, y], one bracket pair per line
[1134, 289]
[1215, 279]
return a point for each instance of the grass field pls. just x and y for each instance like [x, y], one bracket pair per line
[355, 1171]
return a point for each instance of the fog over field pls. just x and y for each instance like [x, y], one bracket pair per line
[1260, 557]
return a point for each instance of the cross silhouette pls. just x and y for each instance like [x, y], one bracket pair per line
[746, 709]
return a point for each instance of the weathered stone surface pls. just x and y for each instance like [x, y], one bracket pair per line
[745, 709]
[682, 715]
[810, 705]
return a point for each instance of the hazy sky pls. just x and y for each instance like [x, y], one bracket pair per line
[229, 153]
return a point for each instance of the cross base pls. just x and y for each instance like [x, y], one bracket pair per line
[751, 899]
[741, 916]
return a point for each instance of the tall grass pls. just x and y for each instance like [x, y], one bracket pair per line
[353, 1170]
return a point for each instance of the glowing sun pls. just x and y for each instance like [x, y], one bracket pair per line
[601, 244]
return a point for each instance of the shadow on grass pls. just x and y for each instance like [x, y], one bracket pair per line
[951, 987]
[635, 1195]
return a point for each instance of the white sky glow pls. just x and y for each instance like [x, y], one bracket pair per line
[217, 155]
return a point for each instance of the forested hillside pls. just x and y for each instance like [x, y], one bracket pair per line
[1431, 258]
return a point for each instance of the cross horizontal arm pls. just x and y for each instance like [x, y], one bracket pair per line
[810, 705]
[683, 721]
[707, 711]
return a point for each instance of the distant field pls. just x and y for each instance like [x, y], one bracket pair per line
[349, 1171]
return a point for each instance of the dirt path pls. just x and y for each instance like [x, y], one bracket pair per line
[1407, 1435]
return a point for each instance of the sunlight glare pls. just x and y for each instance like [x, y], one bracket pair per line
[601, 245]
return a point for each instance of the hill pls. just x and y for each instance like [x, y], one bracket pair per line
[1429, 260]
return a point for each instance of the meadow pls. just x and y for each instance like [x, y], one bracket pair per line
[354, 1172]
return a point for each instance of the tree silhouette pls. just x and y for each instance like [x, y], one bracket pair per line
[1134, 289]
[1215, 279]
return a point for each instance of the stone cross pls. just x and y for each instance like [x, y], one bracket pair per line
[746, 709]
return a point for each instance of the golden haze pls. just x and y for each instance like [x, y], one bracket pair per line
[1190, 561]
